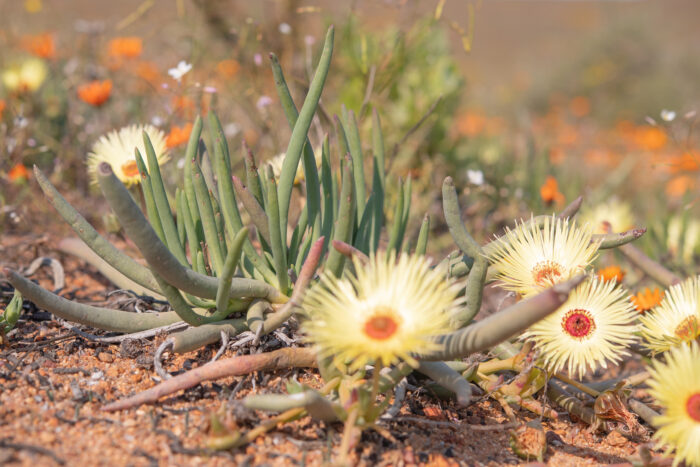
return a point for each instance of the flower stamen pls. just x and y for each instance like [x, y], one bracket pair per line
[547, 272]
[382, 325]
[578, 323]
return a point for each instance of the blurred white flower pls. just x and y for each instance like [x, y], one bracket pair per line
[285, 28]
[180, 70]
[668, 115]
[257, 58]
[475, 177]
[263, 102]
[232, 129]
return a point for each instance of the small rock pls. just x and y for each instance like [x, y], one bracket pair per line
[106, 357]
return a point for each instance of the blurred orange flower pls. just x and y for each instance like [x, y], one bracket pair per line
[687, 162]
[41, 45]
[2, 107]
[178, 135]
[611, 273]
[471, 124]
[183, 105]
[148, 72]
[549, 191]
[125, 47]
[18, 173]
[95, 92]
[580, 106]
[678, 186]
[228, 68]
[651, 138]
[568, 135]
[556, 155]
[647, 299]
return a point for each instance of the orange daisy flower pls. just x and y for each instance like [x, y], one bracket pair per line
[611, 273]
[41, 45]
[125, 47]
[96, 92]
[549, 191]
[647, 299]
[18, 173]
[178, 135]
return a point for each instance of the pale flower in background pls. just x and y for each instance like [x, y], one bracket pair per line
[285, 28]
[475, 177]
[668, 115]
[180, 70]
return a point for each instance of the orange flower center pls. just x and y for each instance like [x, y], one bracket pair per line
[130, 169]
[688, 329]
[547, 272]
[382, 325]
[693, 406]
[578, 323]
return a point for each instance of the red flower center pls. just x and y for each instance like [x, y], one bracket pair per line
[688, 329]
[692, 406]
[547, 272]
[578, 323]
[382, 325]
[130, 169]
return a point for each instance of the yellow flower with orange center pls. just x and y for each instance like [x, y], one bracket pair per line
[675, 385]
[611, 273]
[647, 299]
[117, 148]
[530, 259]
[613, 215]
[676, 320]
[385, 312]
[95, 92]
[592, 328]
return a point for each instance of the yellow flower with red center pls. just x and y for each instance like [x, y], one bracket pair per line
[178, 135]
[95, 92]
[549, 191]
[675, 384]
[676, 320]
[383, 313]
[611, 273]
[117, 148]
[529, 260]
[646, 299]
[592, 328]
[125, 47]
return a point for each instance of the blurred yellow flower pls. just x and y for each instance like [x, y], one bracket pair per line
[675, 385]
[26, 76]
[613, 212]
[676, 320]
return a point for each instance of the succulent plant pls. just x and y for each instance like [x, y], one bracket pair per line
[216, 279]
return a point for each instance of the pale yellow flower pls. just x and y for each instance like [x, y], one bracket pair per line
[676, 320]
[592, 328]
[117, 148]
[614, 212]
[26, 76]
[529, 260]
[383, 313]
[675, 385]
